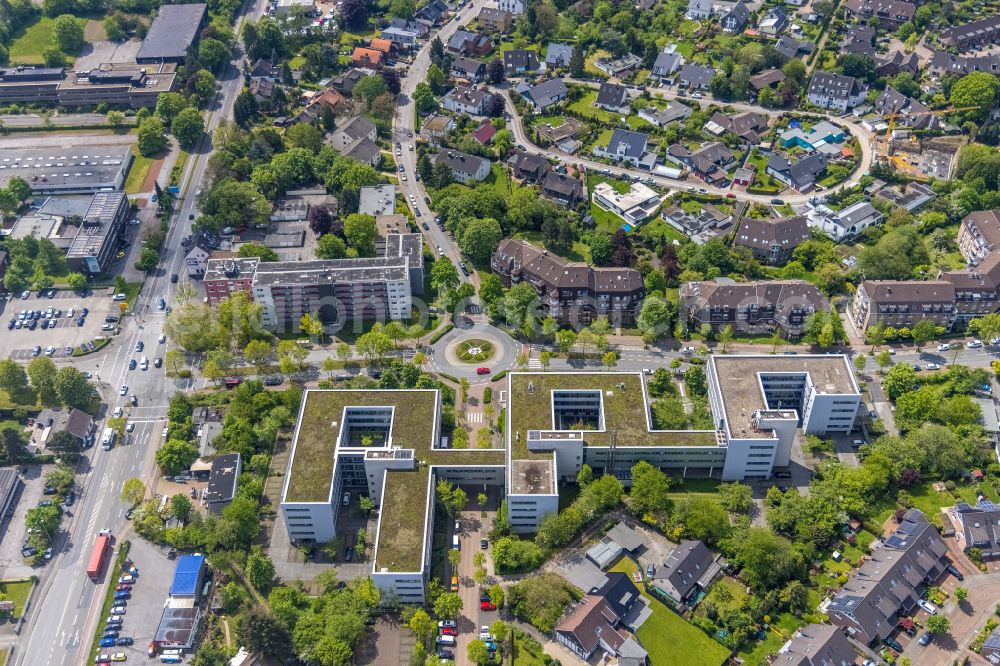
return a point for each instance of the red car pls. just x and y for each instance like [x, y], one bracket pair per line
[487, 606]
[730, 196]
[123, 586]
[482, 371]
[449, 631]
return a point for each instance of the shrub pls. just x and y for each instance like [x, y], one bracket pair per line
[440, 334]
[487, 395]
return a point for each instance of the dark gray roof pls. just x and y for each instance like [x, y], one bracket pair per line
[558, 54]
[787, 46]
[459, 161]
[547, 93]
[222, 480]
[635, 142]
[518, 59]
[612, 95]
[786, 232]
[432, 11]
[558, 183]
[174, 29]
[803, 172]
[666, 62]
[469, 66]
[737, 17]
[684, 567]
[700, 75]
[833, 85]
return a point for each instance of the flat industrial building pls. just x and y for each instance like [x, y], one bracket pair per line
[389, 445]
[174, 29]
[68, 170]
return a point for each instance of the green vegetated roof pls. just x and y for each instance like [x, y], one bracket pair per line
[401, 526]
[624, 411]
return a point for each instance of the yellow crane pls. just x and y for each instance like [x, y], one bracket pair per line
[892, 119]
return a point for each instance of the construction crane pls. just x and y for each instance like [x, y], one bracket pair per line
[892, 120]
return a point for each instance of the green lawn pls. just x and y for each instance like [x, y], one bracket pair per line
[659, 227]
[499, 180]
[29, 45]
[579, 252]
[137, 172]
[584, 106]
[782, 628]
[17, 591]
[638, 124]
[526, 651]
[590, 68]
[927, 500]
[670, 639]
[691, 488]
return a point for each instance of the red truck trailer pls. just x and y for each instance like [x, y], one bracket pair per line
[98, 555]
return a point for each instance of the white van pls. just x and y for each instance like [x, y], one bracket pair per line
[118, 297]
[446, 640]
[454, 542]
[144, 363]
[108, 439]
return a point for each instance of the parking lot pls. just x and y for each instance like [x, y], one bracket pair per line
[148, 594]
[12, 529]
[18, 343]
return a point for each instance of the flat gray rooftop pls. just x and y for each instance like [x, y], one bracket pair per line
[331, 271]
[174, 29]
[68, 170]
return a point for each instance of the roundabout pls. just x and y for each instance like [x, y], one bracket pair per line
[474, 350]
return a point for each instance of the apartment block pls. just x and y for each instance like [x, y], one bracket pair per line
[571, 292]
[751, 308]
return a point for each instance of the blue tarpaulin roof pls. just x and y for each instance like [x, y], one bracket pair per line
[186, 575]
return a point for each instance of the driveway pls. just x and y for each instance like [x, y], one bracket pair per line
[966, 620]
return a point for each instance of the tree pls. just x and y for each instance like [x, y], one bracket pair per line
[188, 127]
[736, 497]
[899, 380]
[353, 14]
[330, 246]
[259, 354]
[260, 571]
[883, 359]
[68, 33]
[13, 378]
[260, 631]
[495, 71]
[360, 232]
[245, 108]
[923, 332]
[213, 54]
[66, 447]
[42, 372]
[938, 624]
[609, 360]
[961, 593]
[116, 119]
[655, 318]
[650, 486]
[426, 102]
[576, 61]
[133, 492]
[149, 137]
[304, 135]
[442, 175]
[705, 520]
[311, 325]
[44, 519]
[860, 361]
[368, 89]
[858, 65]
[444, 275]
[480, 239]
[448, 606]
[478, 654]
[180, 507]
[72, 388]
[975, 89]
[422, 626]
[176, 456]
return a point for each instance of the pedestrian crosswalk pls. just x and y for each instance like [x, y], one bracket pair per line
[474, 417]
[534, 364]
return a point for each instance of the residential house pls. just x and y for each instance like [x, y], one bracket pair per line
[222, 482]
[943, 63]
[50, 422]
[366, 58]
[991, 647]
[979, 235]
[667, 63]
[469, 44]
[897, 62]
[787, 46]
[558, 55]
[701, 227]
[629, 147]
[345, 82]
[356, 139]
[978, 526]
[890, 14]
[612, 97]
[433, 13]
[515, 7]
[381, 44]
[261, 89]
[736, 18]
[420, 29]
[545, 94]
[690, 568]
[675, 112]
[619, 67]
[465, 168]
[528, 167]
[817, 645]
[835, 91]
[437, 127]
[468, 69]
[495, 20]
[823, 137]
[562, 189]
[572, 292]
[751, 308]
[800, 175]
[265, 69]
[860, 40]
[911, 197]
[595, 622]
[906, 112]
[744, 175]
[202, 246]
[484, 133]
[635, 206]
[520, 62]
[774, 22]
[769, 78]
[401, 38]
[973, 35]
[772, 240]
[695, 77]
[699, 9]
[889, 583]
[847, 223]
[747, 126]
[463, 99]
[329, 99]
[565, 137]
[710, 162]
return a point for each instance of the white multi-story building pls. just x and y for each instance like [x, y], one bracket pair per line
[515, 7]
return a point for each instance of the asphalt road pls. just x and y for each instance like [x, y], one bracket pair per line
[404, 132]
[865, 140]
[61, 622]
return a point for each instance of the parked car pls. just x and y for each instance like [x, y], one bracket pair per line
[124, 641]
[893, 643]
[482, 371]
[933, 366]
[927, 606]
[943, 347]
[925, 638]
[953, 570]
